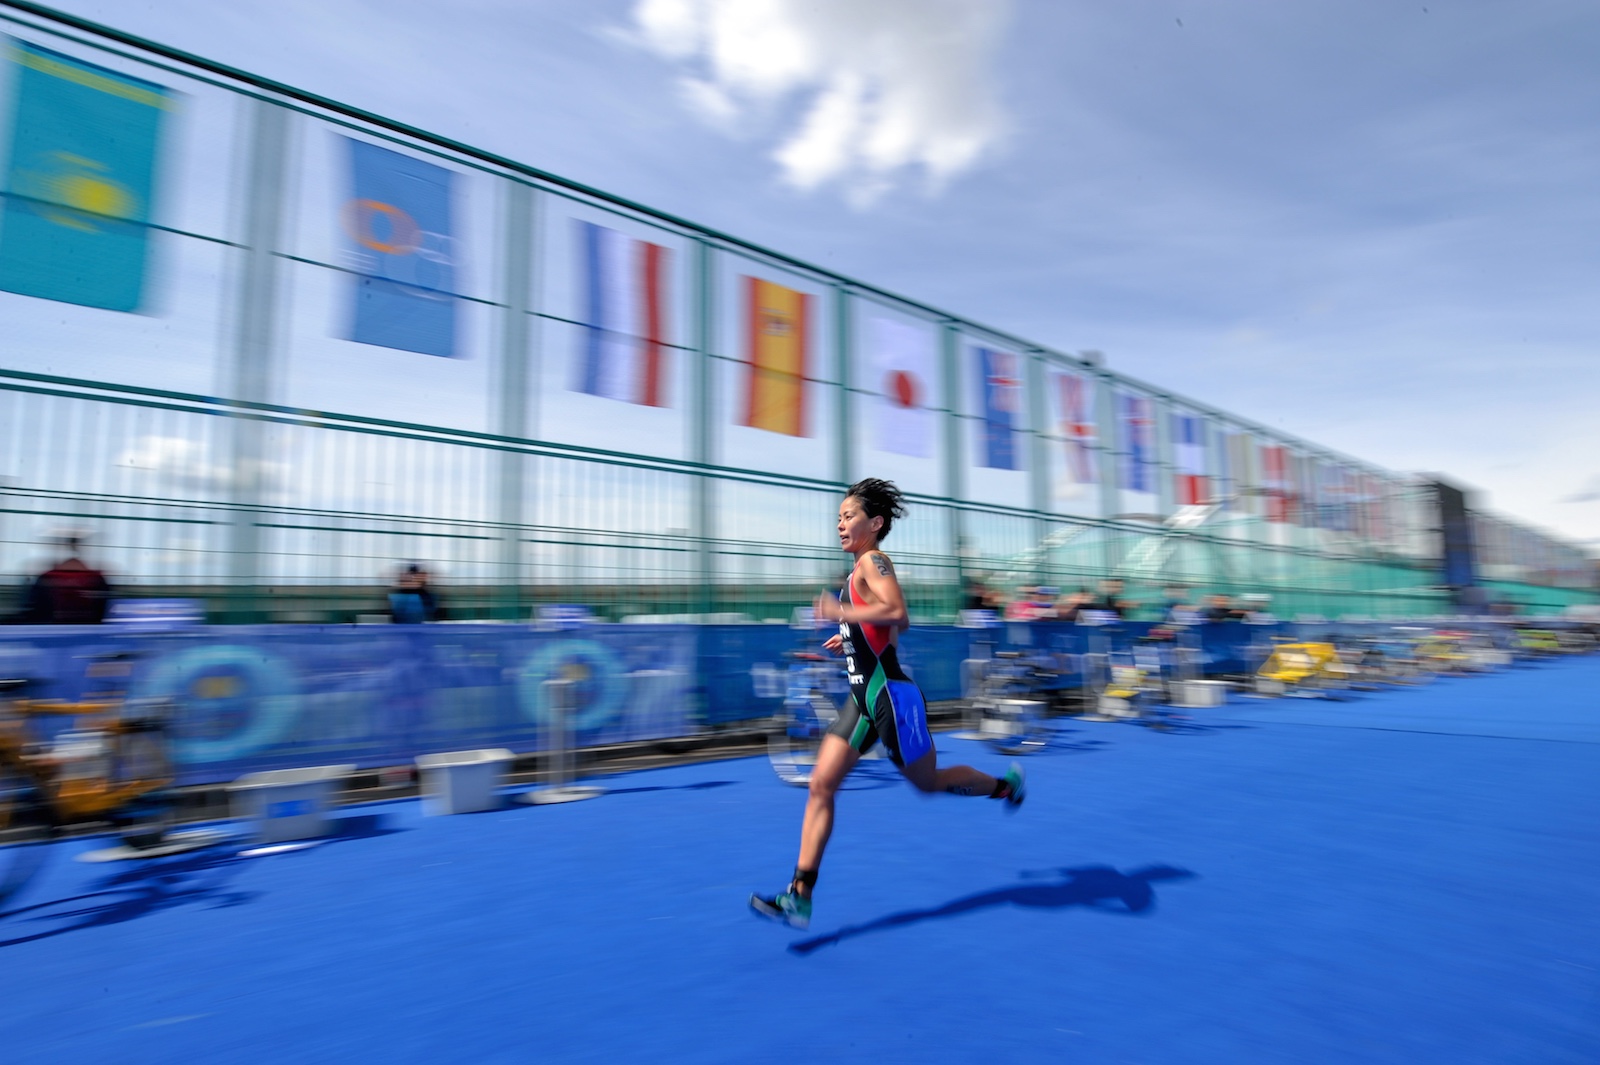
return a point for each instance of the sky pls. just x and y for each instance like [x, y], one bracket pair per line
[1372, 225]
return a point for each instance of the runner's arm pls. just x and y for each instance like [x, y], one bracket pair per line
[889, 607]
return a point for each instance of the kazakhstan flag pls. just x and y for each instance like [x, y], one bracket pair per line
[81, 178]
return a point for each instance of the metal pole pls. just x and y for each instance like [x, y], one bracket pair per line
[950, 358]
[517, 277]
[559, 694]
[1110, 439]
[1036, 376]
[250, 379]
[844, 465]
[700, 420]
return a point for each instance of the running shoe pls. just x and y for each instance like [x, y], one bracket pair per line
[1019, 786]
[787, 907]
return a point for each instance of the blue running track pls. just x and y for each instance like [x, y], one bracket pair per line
[1410, 876]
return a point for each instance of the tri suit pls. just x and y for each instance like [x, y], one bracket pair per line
[884, 703]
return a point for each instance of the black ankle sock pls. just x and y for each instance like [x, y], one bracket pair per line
[1002, 789]
[806, 878]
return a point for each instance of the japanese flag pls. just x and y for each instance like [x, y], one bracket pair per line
[902, 357]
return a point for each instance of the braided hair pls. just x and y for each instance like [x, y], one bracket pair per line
[880, 499]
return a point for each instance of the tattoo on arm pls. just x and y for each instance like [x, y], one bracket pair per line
[885, 567]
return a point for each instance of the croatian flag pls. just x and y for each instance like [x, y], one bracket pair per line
[1138, 445]
[1074, 399]
[904, 358]
[622, 351]
[1000, 385]
[1189, 455]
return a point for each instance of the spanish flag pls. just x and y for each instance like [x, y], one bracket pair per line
[776, 353]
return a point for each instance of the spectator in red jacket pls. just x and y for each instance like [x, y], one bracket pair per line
[71, 592]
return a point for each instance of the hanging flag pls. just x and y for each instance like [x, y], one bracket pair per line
[902, 357]
[1000, 385]
[1335, 491]
[1189, 458]
[80, 181]
[1074, 395]
[775, 350]
[397, 224]
[1360, 503]
[1376, 519]
[1138, 442]
[1275, 483]
[622, 351]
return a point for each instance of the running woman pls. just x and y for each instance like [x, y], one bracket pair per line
[885, 704]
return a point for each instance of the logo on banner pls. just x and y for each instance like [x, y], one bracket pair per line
[594, 672]
[236, 700]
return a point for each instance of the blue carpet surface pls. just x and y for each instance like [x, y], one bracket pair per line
[1410, 876]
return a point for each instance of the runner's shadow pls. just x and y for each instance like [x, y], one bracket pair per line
[1179, 724]
[701, 785]
[1098, 887]
[140, 889]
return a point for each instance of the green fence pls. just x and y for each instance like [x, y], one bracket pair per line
[233, 443]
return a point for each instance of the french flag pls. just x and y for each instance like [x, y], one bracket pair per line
[622, 306]
[1189, 451]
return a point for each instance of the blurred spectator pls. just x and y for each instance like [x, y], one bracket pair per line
[1220, 608]
[1175, 606]
[1254, 607]
[1111, 601]
[71, 592]
[412, 602]
[1069, 606]
[1033, 604]
[974, 596]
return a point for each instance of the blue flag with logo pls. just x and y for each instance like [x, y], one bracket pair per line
[397, 222]
[1000, 386]
[80, 181]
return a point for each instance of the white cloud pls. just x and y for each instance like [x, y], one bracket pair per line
[889, 86]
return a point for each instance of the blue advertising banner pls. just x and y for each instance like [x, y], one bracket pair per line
[80, 181]
[246, 698]
[398, 226]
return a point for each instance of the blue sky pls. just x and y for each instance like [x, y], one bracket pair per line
[1370, 224]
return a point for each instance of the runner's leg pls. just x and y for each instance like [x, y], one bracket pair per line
[926, 776]
[835, 759]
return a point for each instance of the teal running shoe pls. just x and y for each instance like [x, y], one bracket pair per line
[1019, 786]
[786, 906]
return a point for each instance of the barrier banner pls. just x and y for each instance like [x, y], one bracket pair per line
[246, 698]
[397, 223]
[80, 181]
